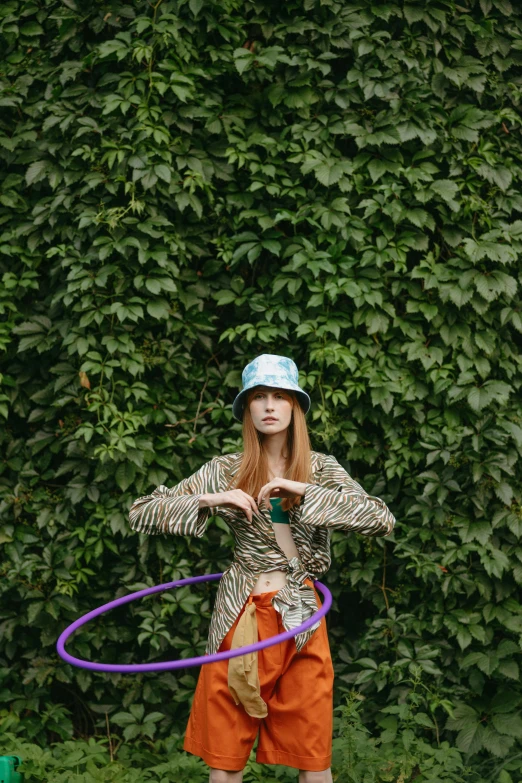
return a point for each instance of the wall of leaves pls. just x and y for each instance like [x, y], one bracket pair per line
[187, 185]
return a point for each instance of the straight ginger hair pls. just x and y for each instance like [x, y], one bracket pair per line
[253, 471]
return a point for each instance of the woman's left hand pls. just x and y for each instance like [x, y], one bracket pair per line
[280, 487]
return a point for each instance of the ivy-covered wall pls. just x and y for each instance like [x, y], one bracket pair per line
[187, 185]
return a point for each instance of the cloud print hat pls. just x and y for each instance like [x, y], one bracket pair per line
[269, 369]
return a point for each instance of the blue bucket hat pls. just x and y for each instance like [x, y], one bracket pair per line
[269, 369]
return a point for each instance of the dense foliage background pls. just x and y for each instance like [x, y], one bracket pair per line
[187, 185]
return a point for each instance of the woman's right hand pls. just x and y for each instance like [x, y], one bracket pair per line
[234, 497]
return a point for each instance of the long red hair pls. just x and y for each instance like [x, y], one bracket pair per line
[253, 471]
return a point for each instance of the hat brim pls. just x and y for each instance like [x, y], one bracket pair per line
[239, 402]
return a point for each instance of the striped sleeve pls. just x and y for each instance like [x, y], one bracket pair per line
[176, 510]
[341, 503]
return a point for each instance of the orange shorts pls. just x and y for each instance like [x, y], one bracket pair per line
[298, 690]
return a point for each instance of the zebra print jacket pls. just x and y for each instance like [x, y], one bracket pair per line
[333, 501]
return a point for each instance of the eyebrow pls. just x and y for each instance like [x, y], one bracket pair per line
[271, 388]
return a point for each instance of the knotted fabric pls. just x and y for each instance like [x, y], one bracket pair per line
[295, 602]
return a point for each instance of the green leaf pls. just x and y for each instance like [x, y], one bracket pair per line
[504, 492]
[413, 14]
[328, 173]
[423, 720]
[137, 711]
[377, 168]
[158, 308]
[464, 638]
[471, 738]
[125, 475]
[196, 6]
[509, 668]
[132, 731]
[243, 59]
[497, 744]
[163, 172]
[36, 172]
[445, 188]
[31, 28]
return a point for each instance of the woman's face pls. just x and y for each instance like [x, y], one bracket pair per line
[271, 409]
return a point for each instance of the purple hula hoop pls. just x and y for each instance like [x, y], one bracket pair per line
[182, 663]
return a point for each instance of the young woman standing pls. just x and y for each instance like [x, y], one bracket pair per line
[281, 501]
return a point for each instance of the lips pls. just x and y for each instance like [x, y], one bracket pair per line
[269, 419]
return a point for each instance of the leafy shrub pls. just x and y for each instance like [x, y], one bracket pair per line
[398, 754]
[80, 761]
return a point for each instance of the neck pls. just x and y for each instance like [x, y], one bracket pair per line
[275, 447]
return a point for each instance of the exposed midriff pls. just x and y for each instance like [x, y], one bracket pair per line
[275, 580]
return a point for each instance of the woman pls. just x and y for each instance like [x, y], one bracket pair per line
[280, 500]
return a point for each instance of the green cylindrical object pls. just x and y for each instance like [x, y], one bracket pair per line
[8, 767]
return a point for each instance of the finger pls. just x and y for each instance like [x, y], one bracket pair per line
[263, 492]
[266, 497]
[250, 500]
